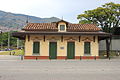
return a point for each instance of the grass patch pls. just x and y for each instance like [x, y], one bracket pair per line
[13, 52]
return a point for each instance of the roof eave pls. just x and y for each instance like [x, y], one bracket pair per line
[22, 35]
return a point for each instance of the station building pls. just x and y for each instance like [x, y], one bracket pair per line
[61, 40]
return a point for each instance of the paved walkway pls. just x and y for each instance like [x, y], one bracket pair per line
[9, 57]
[102, 69]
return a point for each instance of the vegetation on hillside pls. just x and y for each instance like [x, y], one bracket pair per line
[8, 19]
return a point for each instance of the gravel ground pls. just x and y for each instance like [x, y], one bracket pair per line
[102, 69]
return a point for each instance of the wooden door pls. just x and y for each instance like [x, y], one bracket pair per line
[71, 50]
[53, 50]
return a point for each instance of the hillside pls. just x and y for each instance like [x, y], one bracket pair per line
[10, 20]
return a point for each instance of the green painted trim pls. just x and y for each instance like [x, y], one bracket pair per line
[70, 50]
[53, 50]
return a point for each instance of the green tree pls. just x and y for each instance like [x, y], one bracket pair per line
[107, 17]
[13, 40]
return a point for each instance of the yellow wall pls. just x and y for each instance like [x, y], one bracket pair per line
[62, 52]
[95, 47]
[28, 46]
[44, 46]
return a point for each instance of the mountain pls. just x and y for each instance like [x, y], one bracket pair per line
[12, 20]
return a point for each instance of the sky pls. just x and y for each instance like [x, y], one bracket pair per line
[68, 9]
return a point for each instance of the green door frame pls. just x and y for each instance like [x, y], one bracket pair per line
[70, 50]
[52, 50]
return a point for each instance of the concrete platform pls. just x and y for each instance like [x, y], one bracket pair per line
[9, 57]
[102, 69]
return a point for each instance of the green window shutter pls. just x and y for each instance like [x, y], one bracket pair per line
[87, 48]
[36, 47]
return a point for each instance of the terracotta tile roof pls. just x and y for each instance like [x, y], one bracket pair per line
[53, 27]
[40, 27]
[83, 27]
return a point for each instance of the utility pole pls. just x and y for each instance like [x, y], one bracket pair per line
[8, 40]
[1, 39]
[18, 40]
[17, 43]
